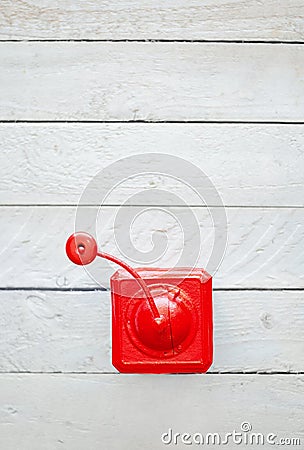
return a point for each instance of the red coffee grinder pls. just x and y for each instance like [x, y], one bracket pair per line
[161, 318]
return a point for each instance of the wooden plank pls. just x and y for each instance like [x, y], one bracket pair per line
[114, 412]
[151, 81]
[252, 165]
[212, 20]
[45, 331]
[263, 249]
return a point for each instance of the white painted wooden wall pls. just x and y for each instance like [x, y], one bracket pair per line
[83, 83]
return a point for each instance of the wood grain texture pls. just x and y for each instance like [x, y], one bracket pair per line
[264, 248]
[77, 412]
[252, 165]
[257, 169]
[151, 81]
[170, 20]
[70, 331]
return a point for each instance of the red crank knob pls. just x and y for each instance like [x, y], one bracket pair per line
[81, 248]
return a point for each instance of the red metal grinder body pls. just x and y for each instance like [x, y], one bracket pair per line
[183, 342]
[161, 318]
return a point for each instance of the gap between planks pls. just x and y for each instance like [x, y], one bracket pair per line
[142, 121]
[101, 289]
[115, 205]
[294, 373]
[165, 41]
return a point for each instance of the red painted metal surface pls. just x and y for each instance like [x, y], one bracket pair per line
[182, 342]
[161, 319]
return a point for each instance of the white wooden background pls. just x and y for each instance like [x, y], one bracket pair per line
[83, 83]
